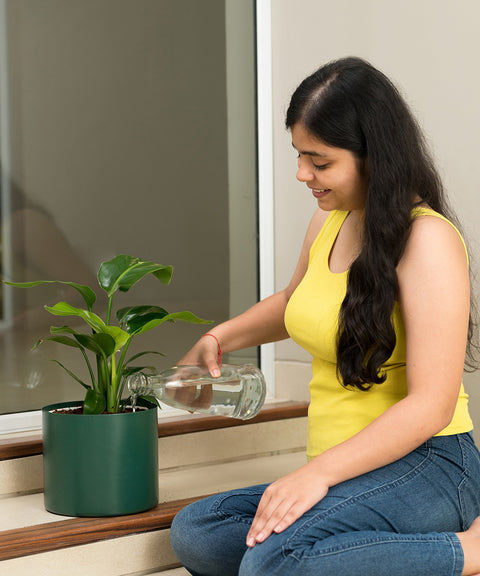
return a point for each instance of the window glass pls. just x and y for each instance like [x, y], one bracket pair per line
[126, 127]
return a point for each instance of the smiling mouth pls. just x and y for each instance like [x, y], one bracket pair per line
[320, 192]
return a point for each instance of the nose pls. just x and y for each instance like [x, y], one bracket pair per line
[304, 171]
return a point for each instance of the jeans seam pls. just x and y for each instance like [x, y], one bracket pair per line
[465, 476]
[359, 498]
[458, 558]
[224, 515]
[367, 542]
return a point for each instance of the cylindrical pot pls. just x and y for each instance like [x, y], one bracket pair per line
[100, 465]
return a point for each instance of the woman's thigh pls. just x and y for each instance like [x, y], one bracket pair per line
[418, 493]
[435, 489]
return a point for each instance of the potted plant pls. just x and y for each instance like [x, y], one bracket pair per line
[100, 459]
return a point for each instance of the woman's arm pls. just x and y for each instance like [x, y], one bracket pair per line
[263, 322]
[434, 297]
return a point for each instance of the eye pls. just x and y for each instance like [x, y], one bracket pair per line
[320, 166]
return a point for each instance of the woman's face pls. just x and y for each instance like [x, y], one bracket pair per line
[335, 176]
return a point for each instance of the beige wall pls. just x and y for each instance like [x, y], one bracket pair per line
[430, 49]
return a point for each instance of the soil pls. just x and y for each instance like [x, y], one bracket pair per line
[79, 410]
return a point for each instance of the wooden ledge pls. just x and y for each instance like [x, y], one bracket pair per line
[198, 423]
[76, 531]
[172, 426]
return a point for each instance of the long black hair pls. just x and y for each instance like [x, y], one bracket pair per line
[350, 104]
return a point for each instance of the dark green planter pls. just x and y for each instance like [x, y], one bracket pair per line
[102, 465]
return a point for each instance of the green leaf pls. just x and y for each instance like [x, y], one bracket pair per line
[58, 337]
[65, 309]
[61, 340]
[137, 322]
[37, 344]
[94, 403]
[99, 343]
[138, 326]
[140, 354]
[63, 330]
[125, 314]
[152, 400]
[129, 370]
[104, 380]
[74, 376]
[123, 271]
[119, 336]
[87, 293]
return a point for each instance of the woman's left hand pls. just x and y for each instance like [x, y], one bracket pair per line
[285, 501]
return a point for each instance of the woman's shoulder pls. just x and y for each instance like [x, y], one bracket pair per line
[434, 241]
[437, 227]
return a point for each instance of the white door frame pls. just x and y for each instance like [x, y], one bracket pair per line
[265, 173]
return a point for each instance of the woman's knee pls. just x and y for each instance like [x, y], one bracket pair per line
[266, 558]
[182, 533]
[206, 542]
[189, 539]
[255, 563]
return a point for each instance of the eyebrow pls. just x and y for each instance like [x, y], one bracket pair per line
[310, 152]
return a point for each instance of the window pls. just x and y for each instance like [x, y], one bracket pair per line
[126, 127]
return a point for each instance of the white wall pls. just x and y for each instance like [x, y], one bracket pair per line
[430, 49]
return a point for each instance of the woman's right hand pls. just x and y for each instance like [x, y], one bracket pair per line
[204, 353]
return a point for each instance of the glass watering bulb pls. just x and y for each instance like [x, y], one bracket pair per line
[239, 391]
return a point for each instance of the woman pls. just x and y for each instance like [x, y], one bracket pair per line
[381, 299]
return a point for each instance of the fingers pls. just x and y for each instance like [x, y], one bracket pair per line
[204, 353]
[275, 514]
[212, 356]
[204, 398]
[213, 368]
[285, 501]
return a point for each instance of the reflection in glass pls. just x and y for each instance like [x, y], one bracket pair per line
[131, 130]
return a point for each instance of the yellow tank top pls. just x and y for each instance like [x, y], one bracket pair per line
[311, 318]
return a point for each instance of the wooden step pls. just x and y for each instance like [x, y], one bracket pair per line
[34, 541]
[23, 445]
[127, 545]
[78, 531]
[174, 572]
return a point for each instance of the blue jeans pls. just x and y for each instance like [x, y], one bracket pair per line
[398, 520]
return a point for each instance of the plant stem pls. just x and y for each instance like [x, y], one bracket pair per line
[92, 375]
[103, 374]
[109, 310]
[112, 400]
[120, 370]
